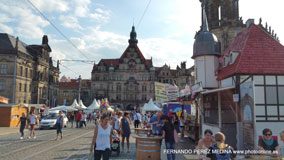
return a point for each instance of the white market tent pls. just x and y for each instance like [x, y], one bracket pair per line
[94, 105]
[150, 106]
[81, 105]
[64, 108]
[75, 103]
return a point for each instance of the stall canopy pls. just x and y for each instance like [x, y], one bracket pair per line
[64, 108]
[94, 105]
[150, 106]
[81, 105]
[75, 103]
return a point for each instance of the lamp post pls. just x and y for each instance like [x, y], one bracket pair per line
[79, 80]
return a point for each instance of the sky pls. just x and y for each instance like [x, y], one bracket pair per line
[99, 29]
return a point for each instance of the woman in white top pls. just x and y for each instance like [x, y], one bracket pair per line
[102, 139]
[205, 143]
[33, 122]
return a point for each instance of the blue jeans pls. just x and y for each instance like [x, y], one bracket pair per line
[59, 129]
[170, 146]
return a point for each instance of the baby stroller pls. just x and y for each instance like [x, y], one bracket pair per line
[115, 147]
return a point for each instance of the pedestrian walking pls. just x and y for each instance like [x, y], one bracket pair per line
[168, 134]
[118, 121]
[83, 120]
[23, 121]
[181, 125]
[78, 118]
[102, 139]
[220, 150]
[176, 122]
[137, 119]
[125, 130]
[72, 117]
[90, 117]
[33, 120]
[59, 125]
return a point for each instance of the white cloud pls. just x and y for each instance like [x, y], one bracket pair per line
[82, 8]
[29, 25]
[70, 22]
[51, 5]
[167, 51]
[4, 18]
[6, 29]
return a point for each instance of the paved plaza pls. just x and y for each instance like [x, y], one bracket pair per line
[74, 145]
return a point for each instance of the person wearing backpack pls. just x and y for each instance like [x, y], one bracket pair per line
[220, 150]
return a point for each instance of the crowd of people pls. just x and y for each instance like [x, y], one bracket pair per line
[111, 126]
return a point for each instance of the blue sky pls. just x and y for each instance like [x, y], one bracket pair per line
[100, 28]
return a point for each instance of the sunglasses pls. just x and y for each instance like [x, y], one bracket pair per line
[267, 134]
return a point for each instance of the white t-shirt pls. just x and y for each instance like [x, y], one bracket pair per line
[117, 123]
[33, 119]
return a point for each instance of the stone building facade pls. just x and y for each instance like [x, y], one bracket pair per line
[129, 80]
[69, 89]
[27, 72]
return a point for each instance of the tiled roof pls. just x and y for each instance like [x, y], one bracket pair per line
[74, 84]
[259, 53]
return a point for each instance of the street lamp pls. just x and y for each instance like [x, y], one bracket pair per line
[79, 80]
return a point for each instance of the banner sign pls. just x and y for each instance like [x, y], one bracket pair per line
[160, 91]
[172, 92]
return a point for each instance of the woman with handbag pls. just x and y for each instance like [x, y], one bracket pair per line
[59, 124]
[102, 139]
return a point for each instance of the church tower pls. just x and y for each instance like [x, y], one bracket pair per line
[223, 19]
[206, 52]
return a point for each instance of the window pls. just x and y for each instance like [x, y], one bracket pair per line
[2, 85]
[21, 71]
[65, 93]
[224, 62]
[118, 87]
[26, 72]
[30, 87]
[25, 88]
[20, 87]
[3, 69]
[31, 73]
[269, 101]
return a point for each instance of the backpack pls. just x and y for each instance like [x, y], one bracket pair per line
[220, 156]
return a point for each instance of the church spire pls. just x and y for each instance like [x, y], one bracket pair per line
[133, 40]
[204, 20]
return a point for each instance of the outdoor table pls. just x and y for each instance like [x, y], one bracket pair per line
[148, 148]
[142, 130]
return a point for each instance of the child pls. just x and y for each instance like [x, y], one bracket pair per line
[115, 136]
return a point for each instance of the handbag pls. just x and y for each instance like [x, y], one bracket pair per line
[91, 156]
[176, 136]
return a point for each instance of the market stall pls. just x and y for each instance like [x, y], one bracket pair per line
[150, 107]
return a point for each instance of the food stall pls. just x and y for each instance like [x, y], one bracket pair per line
[10, 114]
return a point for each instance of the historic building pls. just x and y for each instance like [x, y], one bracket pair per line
[69, 90]
[223, 19]
[243, 84]
[129, 80]
[27, 72]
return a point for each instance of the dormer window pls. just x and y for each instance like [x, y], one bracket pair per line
[233, 57]
[224, 61]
